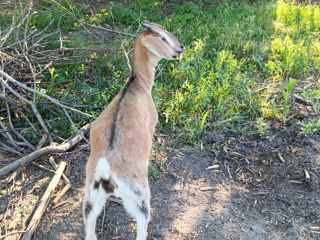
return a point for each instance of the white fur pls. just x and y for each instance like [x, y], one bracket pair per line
[170, 42]
[131, 201]
[96, 197]
[153, 51]
[102, 170]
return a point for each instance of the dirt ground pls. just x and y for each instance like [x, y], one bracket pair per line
[251, 188]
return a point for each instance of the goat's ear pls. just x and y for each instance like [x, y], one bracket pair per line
[147, 24]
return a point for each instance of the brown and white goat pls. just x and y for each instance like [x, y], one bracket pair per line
[121, 137]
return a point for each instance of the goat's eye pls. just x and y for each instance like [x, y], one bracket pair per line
[164, 39]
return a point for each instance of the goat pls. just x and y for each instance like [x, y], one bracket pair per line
[121, 137]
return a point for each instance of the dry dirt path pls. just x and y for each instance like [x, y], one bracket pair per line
[247, 194]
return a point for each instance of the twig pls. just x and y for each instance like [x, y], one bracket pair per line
[44, 202]
[42, 167]
[3, 74]
[8, 134]
[280, 157]
[69, 143]
[42, 141]
[10, 149]
[33, 106]
[26, 143]
[59, 204]
[127, 58]
[8, 234]
[9, 179]
[61, 193]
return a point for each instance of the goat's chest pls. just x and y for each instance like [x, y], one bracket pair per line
[152, 115]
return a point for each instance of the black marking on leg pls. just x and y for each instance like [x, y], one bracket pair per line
[96, 185]
[107, 185]
[87, 209]
[143, 208]
[114, 122]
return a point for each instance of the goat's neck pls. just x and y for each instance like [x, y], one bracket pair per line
[143, 67]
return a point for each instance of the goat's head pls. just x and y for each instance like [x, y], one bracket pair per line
[160, 42]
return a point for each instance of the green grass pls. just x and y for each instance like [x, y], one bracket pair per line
[310, 127]
[241, 65]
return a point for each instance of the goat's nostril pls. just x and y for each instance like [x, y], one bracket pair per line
[181, 46]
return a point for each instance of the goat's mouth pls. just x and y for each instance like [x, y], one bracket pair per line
[177, 56]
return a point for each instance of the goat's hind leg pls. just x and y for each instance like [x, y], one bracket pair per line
[143, 218]
[138, 205]
[93, 203]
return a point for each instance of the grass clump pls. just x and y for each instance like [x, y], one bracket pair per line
[310, 127]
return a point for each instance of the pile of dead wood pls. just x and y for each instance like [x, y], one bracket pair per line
[24, 58]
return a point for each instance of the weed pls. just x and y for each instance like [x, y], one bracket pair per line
[310, 127]
[286, 94]
[154, 171]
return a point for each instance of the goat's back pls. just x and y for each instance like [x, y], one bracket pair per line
[123, 133]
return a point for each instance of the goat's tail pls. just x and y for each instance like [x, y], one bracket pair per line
[103, 170]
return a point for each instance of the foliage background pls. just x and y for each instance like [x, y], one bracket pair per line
[244, 63]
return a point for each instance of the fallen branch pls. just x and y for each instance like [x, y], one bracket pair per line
[12, 233]
[66, 187]
[44, 202]
[61, 193]
[65, 146]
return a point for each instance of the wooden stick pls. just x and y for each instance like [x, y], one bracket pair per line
[65, 146]
[42, 141]
[44, 202]
[61, 193]
[12, 233]
[280, 157]
[67, 181]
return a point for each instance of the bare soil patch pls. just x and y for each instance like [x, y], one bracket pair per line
[244, 192]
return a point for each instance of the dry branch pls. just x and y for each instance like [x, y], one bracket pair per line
[69, 143]
[55, 101]
[11, 233]
[44, 202]
[24, 56]
[65, 189]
